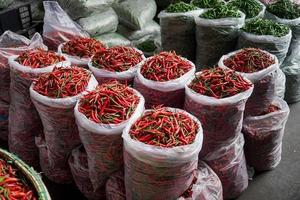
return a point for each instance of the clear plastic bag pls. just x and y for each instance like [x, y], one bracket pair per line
[103, 144]
[264, 85]
[178, 32]
[221, 119]
[153, 172]
[168, 93]
[58, 26]
[229, 163]
[216, 37]
[24, 120]
[79, 167]
[60, 130]
[113, 39]
[11, 44]
[135, 14]
[292, 92]
[100, 21]
[126, 77]
[263, 137]
[280, 84]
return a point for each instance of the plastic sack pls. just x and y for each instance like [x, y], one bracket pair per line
[79, 167]
[5, 3]
[216, 37]
[125, 77]
[60, 130]
[58, 26]
[178, 32]
[229, 163]
[292, 92]
[263, 137]
[24, 120]
[113, 39]
[100, 21]
[151, 29]
[135, 14]
[221, 119]
[280, 84]
[207, 186]
[168, 93]
[103, 144]
[264, 85]
[153, 172]
[277, 46]
[11, 44]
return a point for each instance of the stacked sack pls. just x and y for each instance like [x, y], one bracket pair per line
[264, 122]
[217, 97]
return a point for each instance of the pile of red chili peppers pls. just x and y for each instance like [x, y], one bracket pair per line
[83, 47]
[62, 82]
[219, 83]
[11, 186]
[109, 103]
[165, 66]
[270, 109]
[249, 60]
[164, 128]
[117, 59]
[39, 58]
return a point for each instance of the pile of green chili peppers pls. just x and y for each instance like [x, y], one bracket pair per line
[284, 9]
[180, 7]
[221, 12]
[147, 46]
[251, 8]
[207, 3]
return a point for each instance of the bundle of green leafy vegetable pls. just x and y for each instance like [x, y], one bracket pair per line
[219, 12]
[180, 7]
[251, 8]
[207, 3]
[284, 9]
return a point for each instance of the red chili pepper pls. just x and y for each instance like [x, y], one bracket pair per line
[270, 109]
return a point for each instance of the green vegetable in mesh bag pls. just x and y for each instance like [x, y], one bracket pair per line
[284, 9]
[207, 3]
[251, 8]
[180, 7]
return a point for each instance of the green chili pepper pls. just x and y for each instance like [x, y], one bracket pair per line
[266, 27]
[251, 8]
[221, 12]
[207, 3]
[147, 46]
[284, 9]
[180, 7]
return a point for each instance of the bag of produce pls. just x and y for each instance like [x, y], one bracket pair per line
[263, 136]
[217, 32]
[11, 44]
[280, 84]
[24, 121]
[100, 21]
[54, 95]
[229, 163]
[217, 98]
[116, 63]
[79, 51]
[148, 45]
[260, 67]
[100, 129]
[253, 9]
[178, 29]
[113, 39]
[206, 4]
[58, 26]
[135, 14]
[161, 79]
[267, 35]
[161, 154]
[292, 92]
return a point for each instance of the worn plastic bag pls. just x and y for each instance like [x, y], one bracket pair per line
[11, 44]
[263, 137]
[24, 120]
[103, 144]
[221, 119]
[135, 14]
[178, 32]
[229, 163]
[153, 172]
[100, 21]
[264, 85]
[113, 39]
[58, 26]
[216, 37]
[280, 84]
[60, 130]
[79, 167]
[292, 92]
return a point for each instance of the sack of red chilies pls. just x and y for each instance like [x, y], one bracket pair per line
[161, 79]
[217, 97]
[116, 63]
[24, 121]
[161, 154]
[263, 136]
[101, 116]
[11, 44]
[260, 68]
[206, 185]
[79, 51]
